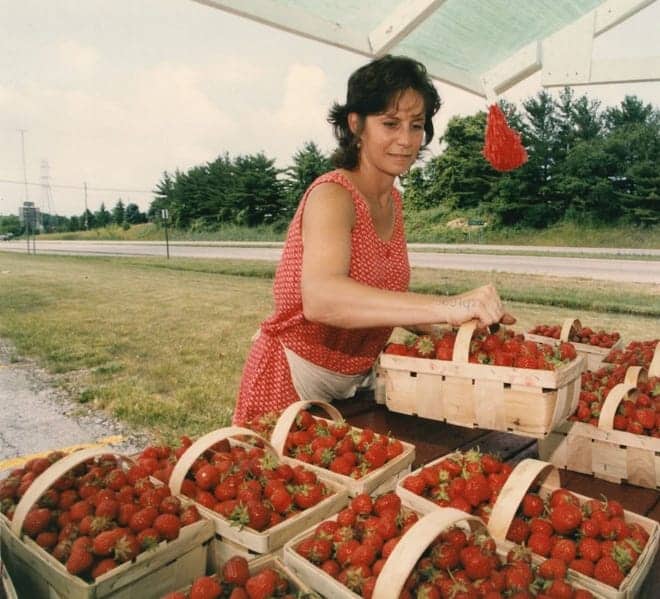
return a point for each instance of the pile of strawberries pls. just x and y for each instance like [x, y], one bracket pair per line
[336, 446]
[503, 348]
[469, 481]
[593, 538]
[250, 487]
[353, 547]
[14, 486]
[100, 514]
[235, 581]
[466, 565]
[636, 353]
[639, 413]
[584, 335]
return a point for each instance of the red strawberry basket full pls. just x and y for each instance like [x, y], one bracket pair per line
[607, 453]
[594, 354]
[37, 573]
[373, 480]
[524, 401]
[531, 472]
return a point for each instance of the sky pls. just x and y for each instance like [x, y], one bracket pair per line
[113, 93]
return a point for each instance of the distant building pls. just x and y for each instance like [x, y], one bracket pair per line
[29, 213]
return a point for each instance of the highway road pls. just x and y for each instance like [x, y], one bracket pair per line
[628, 270]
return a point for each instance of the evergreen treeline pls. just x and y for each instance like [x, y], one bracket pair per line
[587, 164]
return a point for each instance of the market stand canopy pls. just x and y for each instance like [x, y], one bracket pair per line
[483, 46]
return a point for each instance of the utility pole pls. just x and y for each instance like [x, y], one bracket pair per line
[23, 132]
[85, 184]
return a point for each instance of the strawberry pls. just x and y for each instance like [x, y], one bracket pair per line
[127, 547]
[552, 569]
[36, 521]
[104, 542]
[607, 570]
[262, 585]
[424, 346]
[206, 587]
[103, 566]
[567, 351]
[80, 559]
[532, 505]
[565, 517]
[235, 571]
[168, 526]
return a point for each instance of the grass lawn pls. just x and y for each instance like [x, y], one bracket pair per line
[161, 344]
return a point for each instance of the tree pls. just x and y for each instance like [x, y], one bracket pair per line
[256, 192]
[11, 224]
[118, 213]
[102, 217]
[133, 216]
[308, 164]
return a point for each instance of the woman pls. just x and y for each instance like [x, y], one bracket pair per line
[343, 278]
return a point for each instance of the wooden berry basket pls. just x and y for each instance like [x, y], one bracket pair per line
[379, 481]
[7, 590]
[420, 504]
[36, 573]
[399, 564]
[299, 588]
[524, 401]
[268, 540]
[321, 581]
[607, 453]
[521, 479]
[593, 354]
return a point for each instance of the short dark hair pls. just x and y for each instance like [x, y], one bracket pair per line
[371, 90]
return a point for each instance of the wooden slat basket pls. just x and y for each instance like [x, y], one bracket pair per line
[606, 453]
[298, 588]
[524, 401]
[510, 497]
[399, 564]
[37, 574]
[250, 541]
[378, 481]
[594, 355]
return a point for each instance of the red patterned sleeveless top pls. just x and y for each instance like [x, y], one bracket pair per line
[266, 384]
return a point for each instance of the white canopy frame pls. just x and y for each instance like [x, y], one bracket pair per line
[564, 56]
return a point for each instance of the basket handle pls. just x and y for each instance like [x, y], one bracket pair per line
[287, 417]
[633, 374]
[611, 403]
[48, 477]
[513, 491]
[567, 326]
[201, 445]
[654, 368]
[462, 344]
[412, 545]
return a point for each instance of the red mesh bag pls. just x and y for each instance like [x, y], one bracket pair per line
[502, 146]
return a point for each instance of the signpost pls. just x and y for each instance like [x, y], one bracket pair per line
[30, 219]
[165, 215]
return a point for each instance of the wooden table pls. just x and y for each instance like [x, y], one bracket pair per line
[434, 439]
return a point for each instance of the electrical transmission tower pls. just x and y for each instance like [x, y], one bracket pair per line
[46, 189]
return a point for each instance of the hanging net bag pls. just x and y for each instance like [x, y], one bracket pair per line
[502, 146]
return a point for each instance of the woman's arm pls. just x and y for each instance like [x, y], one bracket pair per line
[331, 297]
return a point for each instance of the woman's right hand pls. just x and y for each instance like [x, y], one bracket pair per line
[482, 303]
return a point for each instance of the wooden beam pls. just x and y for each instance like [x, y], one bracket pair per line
[295, 20]
[625, 70]
[613, 12]
[404, 19]
[514, 69]
[567, 53]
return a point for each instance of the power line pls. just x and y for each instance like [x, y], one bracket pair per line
[80, 187]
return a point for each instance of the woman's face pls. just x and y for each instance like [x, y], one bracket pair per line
[390, 141]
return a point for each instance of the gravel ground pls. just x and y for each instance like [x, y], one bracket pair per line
[37, 416]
